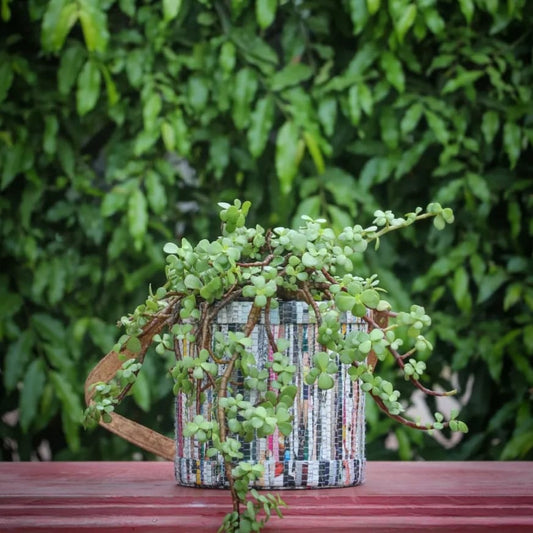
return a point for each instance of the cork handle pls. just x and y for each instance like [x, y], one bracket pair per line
[105, 370]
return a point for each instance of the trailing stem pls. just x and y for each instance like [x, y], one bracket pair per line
[253, 317]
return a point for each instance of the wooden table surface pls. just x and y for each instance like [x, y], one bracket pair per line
[142, 496]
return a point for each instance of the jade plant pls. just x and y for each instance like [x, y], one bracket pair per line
[313, 264]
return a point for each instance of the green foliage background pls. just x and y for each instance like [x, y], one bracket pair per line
[123, 122]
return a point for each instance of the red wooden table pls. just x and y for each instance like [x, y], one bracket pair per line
[414, 496]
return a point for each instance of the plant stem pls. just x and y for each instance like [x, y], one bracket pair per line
[253, 317]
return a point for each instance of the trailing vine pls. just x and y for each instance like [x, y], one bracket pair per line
[312, 264]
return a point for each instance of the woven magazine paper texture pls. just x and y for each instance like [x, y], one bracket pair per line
[326, 446]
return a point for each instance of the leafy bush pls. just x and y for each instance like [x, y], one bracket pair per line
[122, 122]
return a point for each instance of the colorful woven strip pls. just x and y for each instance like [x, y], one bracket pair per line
[326, 446]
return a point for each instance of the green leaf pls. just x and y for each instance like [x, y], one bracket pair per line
[434, 21]
[110, 86]
[17, 357]
[344, 301]
[151, 109]
[219, 154]
[512, 134]
[227, 57]
[71, 430]
[94, 25]
[114, 201]
[353, 105]
[198, 92]
[13, 162]
[134, 345]
[32, 390]
[135, 64]
[491, 283]
[373, 6]
[287, 155]
[137, 217]
[370, 298]
[327, 114]
[6, 79]
[171, 9]
[528, 341]
[169, 136]
[171, 248]
[478, 186]
[460, 289]
[389, 128]
[325, 381]
[467, 8]
[157, 196]
[261, 122]
[181, 133]
[56, 283]
[58, 20]
[359, 14]
[127, 7]
[365, 98]
[285, 428]
[69, 67]
[265, 12]
[69, 399]
[405, 21]
[48, 328]
[309, 260]
[192, 282]
[438, 126]
[244, 92]
[88, 91]
[315, 152]
[292, 74]
[411, 118]
[518, 446]
[463, 79]
[490, 124]
[51, 127]
[141, 392]
[393, 70]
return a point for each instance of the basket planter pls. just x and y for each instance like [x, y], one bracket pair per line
[270, 361]
[326, 445]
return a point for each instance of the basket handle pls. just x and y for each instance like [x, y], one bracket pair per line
[136, 433]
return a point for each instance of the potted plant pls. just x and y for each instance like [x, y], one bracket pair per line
[274, 342]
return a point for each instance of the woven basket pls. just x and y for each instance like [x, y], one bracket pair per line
[326, 446]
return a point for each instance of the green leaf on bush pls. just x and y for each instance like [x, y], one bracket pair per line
[94, 25]
[261, 121]
[137, 217]
[287, 155]
[171, 9]
[17, 357]
[393, 70]
[265, 11]
[88, 91]
[405, 21]
[6, 79]
[32, 389]
[512, 134]
[292, 74]
[490, 125]
[58, 20]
